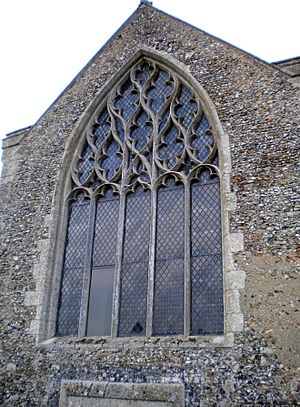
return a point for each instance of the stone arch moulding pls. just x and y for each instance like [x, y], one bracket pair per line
[48, 270]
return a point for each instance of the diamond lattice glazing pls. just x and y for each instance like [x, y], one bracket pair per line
[127, 101]
[171, 148]
[101, 128]
[169, 270]
[202, 139]
[206, 273]
[141, 131]
[73, 270]
[86, 163]
[159, 92]
[106, 227]
[186, 109]
[134, 276]
[149, 131]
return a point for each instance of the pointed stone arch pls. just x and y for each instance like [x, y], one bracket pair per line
[58, 218]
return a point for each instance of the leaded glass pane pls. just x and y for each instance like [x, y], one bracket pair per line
[126, 101]
[134, 275]
[171, 147]
[86, 163]
[141, 131]
[73, 269]
[169, 265]
[206, 273]
[150, 130]
[111, 161]
[207, 295]
[103, 261]
[101, 128]
[106, 227]
[202, 139]
[186, 109]
[144, 73]
[160, 90]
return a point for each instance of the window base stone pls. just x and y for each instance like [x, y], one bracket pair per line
[75, 393]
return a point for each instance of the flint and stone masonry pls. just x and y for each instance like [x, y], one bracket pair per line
[256, 361]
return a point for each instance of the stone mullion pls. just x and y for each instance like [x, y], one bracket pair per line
[87, 271]
[187, 259]
[187, 238]
[120, 241]
[152, 244]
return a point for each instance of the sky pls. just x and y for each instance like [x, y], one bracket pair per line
[44, 44]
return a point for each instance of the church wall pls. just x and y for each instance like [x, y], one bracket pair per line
[259, 111]
[292, 67]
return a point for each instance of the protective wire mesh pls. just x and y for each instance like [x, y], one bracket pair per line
[134, 276]
[73, 269]
[169, 265]
[206, 270]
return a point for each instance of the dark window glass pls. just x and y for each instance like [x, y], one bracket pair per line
[169, 265]
[143, 241]
[134, 275]
[101, 291]
[106, 227]
[73, 269]
[206, 275]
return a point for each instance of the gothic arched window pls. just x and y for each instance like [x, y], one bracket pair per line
[143, 251]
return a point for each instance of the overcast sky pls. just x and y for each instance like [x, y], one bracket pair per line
[44, 43]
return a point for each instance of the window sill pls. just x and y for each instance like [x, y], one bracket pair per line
[130, 343]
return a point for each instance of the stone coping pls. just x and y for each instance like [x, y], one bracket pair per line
[15, 138]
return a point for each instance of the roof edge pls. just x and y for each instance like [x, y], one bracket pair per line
[294, 60]
[248, 54]
[90, 61]
[18, 132]
[16, 137]
[146, 3]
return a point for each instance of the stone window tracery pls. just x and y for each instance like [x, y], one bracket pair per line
[143, 253]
